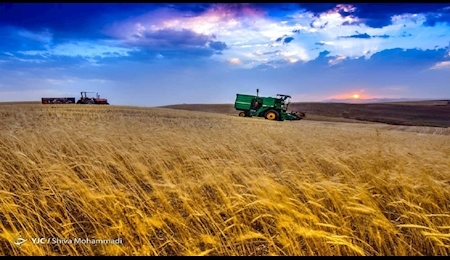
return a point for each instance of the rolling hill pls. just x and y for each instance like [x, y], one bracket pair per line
[413, 113]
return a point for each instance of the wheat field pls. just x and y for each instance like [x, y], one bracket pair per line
[173, 182]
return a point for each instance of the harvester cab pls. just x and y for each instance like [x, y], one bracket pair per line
[285, 100]
[267, 107]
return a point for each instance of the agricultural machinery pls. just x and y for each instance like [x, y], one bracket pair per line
[84, 99]
[58, 100]
[268, 107]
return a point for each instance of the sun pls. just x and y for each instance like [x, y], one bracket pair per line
[355, 96]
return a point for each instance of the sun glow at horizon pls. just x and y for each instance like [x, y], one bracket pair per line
[355, 96]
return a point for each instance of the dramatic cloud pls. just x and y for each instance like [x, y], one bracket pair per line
[379, 15]
[187, 53]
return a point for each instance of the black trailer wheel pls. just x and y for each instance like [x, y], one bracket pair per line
[272, 115]
[242, 114]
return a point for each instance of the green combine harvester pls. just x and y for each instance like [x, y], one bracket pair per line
[268, 107]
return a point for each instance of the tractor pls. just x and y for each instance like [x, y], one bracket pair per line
[271, 108]
[84, 99]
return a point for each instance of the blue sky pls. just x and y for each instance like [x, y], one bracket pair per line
[159, 54]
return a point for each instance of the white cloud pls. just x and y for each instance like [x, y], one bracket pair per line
[30, 95]
[88, 49]
[102, 81]
[29, 60]
[247, 38]
[295, 52]
[44, 36]
[91, 51]
[235, 61]
[59, 81]
[441, 65]
[252, 38]
[336, 60]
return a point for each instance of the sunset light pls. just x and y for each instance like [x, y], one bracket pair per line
[355, 96]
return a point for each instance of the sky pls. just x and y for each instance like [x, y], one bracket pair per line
[155, 54]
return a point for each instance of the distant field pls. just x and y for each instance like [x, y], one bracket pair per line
[177, 182]
[413, 113]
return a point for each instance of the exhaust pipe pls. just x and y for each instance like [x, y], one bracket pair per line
[257, 91]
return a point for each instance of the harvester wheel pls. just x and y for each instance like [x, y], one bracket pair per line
[242, 114]
[272, 115]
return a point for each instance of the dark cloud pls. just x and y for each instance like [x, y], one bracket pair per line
[408, 58]
[191, 9]
[288, 40]
[13, 39]
[317, 27]
[285, 39]
[179, 44]
[162, 44]
[385, 36]
[365, 36]
[277, 9]
[360, 36]
[271, 52]
[168, 38]
[68, 20]
[321, 60]
[351, 23]
[218, 45]
[405, 34]
[436, 18]
[323, 54]
[317, 8]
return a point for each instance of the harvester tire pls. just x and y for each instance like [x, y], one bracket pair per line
[272, 115]
[242, 114]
